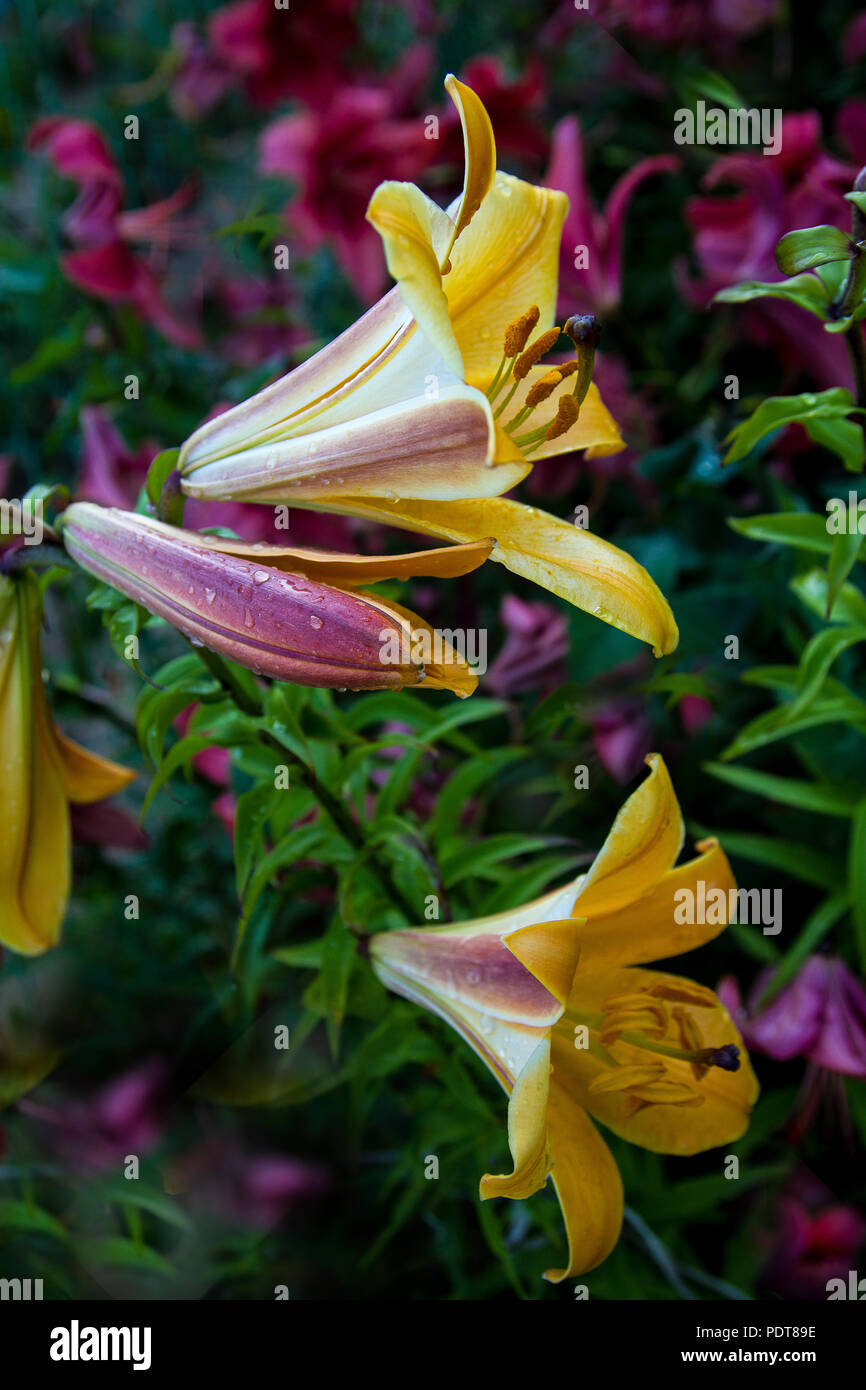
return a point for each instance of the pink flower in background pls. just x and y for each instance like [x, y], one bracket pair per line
[853, 45]
[820, 1015]
[695, 712]
[622, 738]
[513, 105]
[534, 652]
[203, 74]
[297, 51]
[105, 265]
[678, 22]
[106, 824]
[125, 1116]
[592, 239]
[250, 1189]
[735, 236]
[813, 1240]
[109, 472]
[851, 128]
[337, 158]
[262, 318]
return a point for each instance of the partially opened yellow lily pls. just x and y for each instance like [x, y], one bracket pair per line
[437, 401]
[42, 771]
[551, 999]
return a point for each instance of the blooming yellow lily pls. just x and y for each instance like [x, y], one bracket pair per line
[551, 998]
[437, 401]
[43, 771]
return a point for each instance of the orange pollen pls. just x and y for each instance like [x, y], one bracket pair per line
[543, 388]
[567, 411]
[535, 352]
[517, 333]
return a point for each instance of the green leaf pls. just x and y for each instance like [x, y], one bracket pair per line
[162, 466]
[812, 590]
[843, 557]
[807, 291]
[777, 412]
[802, 530]
[823, 798]
[816, 661]
[800, 861]
[339, 953]
[812, 246]
[23, 1216]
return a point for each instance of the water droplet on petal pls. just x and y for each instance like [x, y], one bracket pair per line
[315, 621]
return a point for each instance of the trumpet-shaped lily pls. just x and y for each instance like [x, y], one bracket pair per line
[437, 402]
[42, 773]
[295, 615]
[552, 998]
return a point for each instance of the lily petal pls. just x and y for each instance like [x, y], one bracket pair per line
[348, 571]
[479, 149]
[587, 1181]
[527, 1131]
[644, 929]
[642, 845]
[565, 559]
[87, 776]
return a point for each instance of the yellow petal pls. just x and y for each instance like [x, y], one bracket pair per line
[566, 560]
[586, 1179]
[550, 951]
[594, 429]
[527, 1131]
[348, 571]
[506, 260]
[643, 844]
[445, 668]
[417, 235]
[727, 1096]
[479, 147]
[87, 776]
[645, 929]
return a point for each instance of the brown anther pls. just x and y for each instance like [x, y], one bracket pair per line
[535, 352]
[567, 368]
[567, 411]
[543, 388]
[517, 333]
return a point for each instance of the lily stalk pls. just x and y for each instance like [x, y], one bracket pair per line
[43, 771]
[439, 400]
[553, 998]
[291, 614]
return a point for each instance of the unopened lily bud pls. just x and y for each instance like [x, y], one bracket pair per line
[252, 610]
[517, 333]
[535, 352]
[567, 411]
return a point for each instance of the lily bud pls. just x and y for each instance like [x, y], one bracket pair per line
[42, 773]
[259, 605]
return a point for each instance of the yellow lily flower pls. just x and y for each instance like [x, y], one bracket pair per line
[43, 771]
[437, 401]
[552, 999]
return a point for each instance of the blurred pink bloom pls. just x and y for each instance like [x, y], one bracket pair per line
[851, 128]
[695, 712]
[337, 158]
[109, 473]
[821, 1015]
[813, 1240]
[203, 74]
[297, 51]
[124, 1117]
[591, 237]
[677, 22]
[533, 654]
[622, 738]
[107, 824]
[105, 265]
[853, 44]
[262, 319]
[248, 1189]
[513, 106]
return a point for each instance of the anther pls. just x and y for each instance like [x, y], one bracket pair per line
[567, 411]
[535, 352]
[517, 333]
[543, 388]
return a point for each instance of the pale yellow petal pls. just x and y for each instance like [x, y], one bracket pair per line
[587, 1182]
[564, 559]
[527, 1131]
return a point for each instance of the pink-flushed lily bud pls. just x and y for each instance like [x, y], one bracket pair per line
[262, 606]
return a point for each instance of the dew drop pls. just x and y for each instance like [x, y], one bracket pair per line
[249, 620]
[210, 595]
[315, 621]
[261, 577]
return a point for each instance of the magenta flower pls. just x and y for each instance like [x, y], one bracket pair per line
[735, 237]
[534, 652]
[109, 472]
[124, 1117]
[821, 1015]
[104, 263]
[621, 737]
[244, 1188]
[203, 74]
[590, 265]
[813, 1240]
[337, 158]
[298, 51]
[675, 23]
